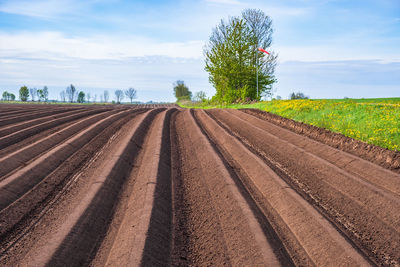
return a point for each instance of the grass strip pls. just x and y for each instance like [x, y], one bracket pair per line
[375, 121]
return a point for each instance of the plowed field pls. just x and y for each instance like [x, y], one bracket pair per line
[165, 186]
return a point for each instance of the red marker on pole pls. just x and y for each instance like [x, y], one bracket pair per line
[262, 50]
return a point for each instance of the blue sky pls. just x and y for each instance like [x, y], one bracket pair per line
[327, 49]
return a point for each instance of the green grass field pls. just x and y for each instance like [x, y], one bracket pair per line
[375, 121]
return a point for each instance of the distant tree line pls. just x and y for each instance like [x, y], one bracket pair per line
[298, 95]
[25, 93]
[70, 94]
[34, 93]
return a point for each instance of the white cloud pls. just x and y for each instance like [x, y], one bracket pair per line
[56, 46]
[41, 9]
[327, 52]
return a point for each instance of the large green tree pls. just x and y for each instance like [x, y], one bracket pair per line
[181, 91]
[24, 93]
[233, 60]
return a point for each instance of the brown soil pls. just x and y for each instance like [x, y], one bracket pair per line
[157, 185]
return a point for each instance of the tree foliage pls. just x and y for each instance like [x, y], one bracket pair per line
[45, 93]
[33, 93]
[130, 93]
[233, 60]
[181, 91]
[6, 96]
[62, 96]
[200, 96]
[24, 93]
[81, 97]
[119, 95]
[70, 91]
[106, 96]
[298, 95]
[40, 94]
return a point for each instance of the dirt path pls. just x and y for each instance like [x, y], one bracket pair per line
[156, 185]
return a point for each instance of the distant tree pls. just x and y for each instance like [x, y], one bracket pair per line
[278, 97]
[62, 96]
[298, 95]
[181, 91]
[33, 92]
[131, 94]
[119, 95]
[88, 97]
[199, 96]
[5, 96]
[101, 99]
[8, 96]
[71, 93]
[106, 96]
[24, 93]
[95, 98]
[45, 93]
[81, 97]
[40, 94]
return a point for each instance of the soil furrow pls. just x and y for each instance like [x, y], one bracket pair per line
[31, 199]
[301, 228]
[31, 115]
[4, 114]
[142, 226]
[14, 186]
[74, 242]
[12, 161]
[222, 228]
[361, 211]
[47, 190]
[12, 128]
[27, 132]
